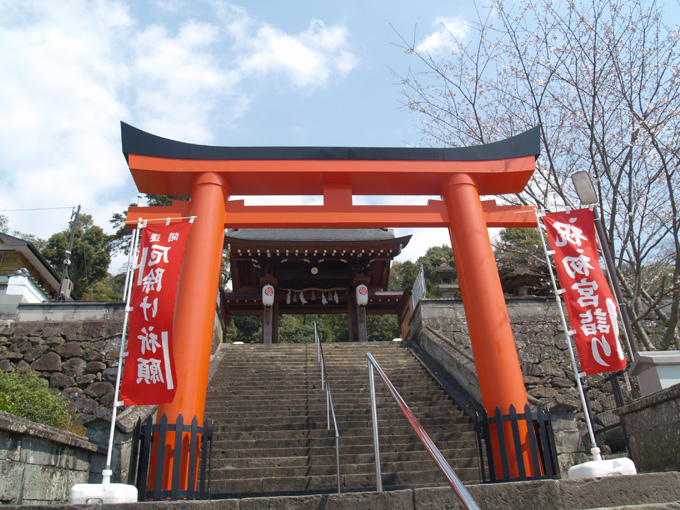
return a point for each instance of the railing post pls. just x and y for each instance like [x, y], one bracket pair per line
[329, 399]
[317, 342]
[323, 370]
[337, 459]
[432, 449]
[374, 419]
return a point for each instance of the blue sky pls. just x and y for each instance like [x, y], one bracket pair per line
[211, 72]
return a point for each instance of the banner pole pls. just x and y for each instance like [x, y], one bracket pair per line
[614, 279]
[127, 292]
[595, 451]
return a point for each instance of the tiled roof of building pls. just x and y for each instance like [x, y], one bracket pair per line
[312, 234]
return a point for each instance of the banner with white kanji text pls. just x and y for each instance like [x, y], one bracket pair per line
[149, 370]
[591, 308]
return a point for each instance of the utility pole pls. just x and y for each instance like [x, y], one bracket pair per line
[66, 285]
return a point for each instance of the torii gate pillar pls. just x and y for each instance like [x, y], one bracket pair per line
[196, 291]
[500, 378]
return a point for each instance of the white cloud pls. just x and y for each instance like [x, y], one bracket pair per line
[71, 70]
[178, 80]
[446, 29]
[307, 59]
[59, 136]
[167, 6]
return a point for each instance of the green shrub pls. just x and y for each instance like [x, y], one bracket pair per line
[25, 394]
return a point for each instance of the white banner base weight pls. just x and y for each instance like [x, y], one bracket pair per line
[602, 468]
[105, 492]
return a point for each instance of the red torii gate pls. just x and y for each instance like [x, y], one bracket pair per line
[209, 175]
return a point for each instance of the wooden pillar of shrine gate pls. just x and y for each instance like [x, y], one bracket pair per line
[498, 369]
[195, 306]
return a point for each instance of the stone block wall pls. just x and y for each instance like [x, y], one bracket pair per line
[653, 424]
[73, 346]
[40, 464]
[539, 337]
[441, 330]
[78, 358]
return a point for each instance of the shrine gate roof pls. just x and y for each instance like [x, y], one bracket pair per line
[288, 255]
[164, 166]
[312, 235]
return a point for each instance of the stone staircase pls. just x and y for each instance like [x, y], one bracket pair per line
[270, 423]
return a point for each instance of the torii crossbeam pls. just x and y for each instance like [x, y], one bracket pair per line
[209, 175]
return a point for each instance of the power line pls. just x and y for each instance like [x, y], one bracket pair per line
[37, 209]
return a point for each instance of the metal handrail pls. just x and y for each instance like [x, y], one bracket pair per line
[330, 410]
[432, 449]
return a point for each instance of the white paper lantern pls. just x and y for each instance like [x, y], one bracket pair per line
[362, 295]
[268, 295]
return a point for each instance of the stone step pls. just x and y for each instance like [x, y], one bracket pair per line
[314, 389]
[326, 482]
[263, 362]
[318, 405]
[293, 381]
[652, 491]
[312, 373]
[283, 387]
[419, 406]
[259, 446]
[382, 396]
[271, 471]
[458, 451]
[326, 456]
[345, 429]
[343, 421]
[431, 426]
[281, 390]
[335, 374]
[318, 413]
[271, 432]
[318, 408]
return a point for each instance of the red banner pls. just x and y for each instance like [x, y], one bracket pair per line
[591, 308]
[149, 370]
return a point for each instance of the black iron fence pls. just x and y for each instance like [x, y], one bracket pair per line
[198, 441]
[542, 455]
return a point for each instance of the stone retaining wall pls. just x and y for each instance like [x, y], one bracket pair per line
[653, 423]
[441, 330]
[539, 337]
[78, 358]
[73, 346]
[40, 464]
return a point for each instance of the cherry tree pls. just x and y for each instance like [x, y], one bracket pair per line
[602, 79]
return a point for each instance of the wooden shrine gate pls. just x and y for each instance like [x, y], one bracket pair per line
[210, 175]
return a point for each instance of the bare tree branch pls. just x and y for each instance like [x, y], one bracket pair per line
[602, 78]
